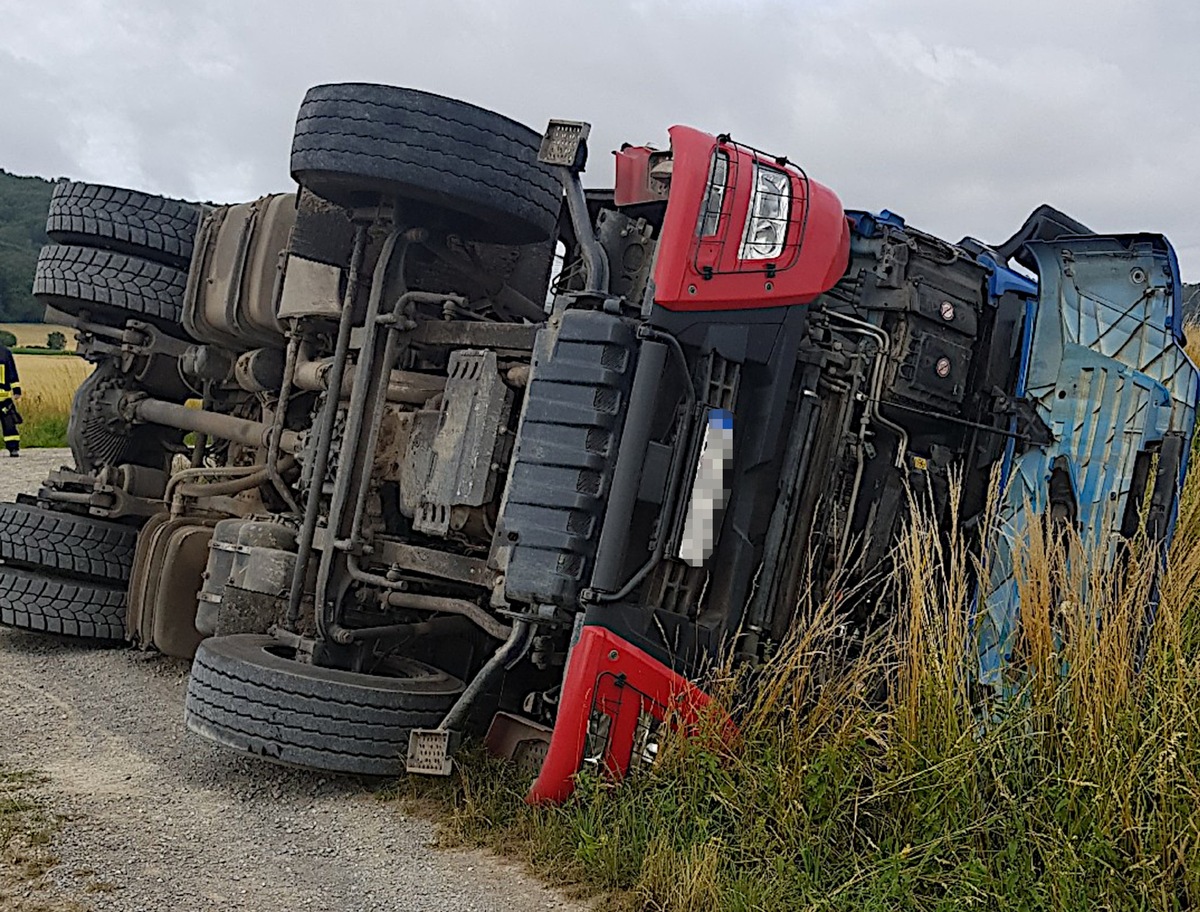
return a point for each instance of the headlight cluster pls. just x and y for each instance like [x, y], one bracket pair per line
[767, 224]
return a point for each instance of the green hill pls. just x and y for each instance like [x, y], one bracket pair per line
[23, 205]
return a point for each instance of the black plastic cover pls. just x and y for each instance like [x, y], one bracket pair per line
[564, 456]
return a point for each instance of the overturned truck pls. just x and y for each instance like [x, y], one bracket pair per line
[444, 442]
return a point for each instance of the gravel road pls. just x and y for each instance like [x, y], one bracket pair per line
[24, 474]
[159, 819]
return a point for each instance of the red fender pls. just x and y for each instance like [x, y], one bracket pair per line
[612, 677]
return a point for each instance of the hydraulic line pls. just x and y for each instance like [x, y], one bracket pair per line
[510, 650]
[441, 626]
[354, 419]
[187, 475]
[415, 602]
[885, 347]
[234, 485]
[595, 260]
[312, 504]
[277, 425]
[871, 410]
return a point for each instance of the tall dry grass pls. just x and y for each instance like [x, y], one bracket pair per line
[1080, 789]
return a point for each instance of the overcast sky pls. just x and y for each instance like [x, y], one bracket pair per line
[962, 116]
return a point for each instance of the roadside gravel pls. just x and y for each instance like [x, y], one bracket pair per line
[159, 819]
[24, 474]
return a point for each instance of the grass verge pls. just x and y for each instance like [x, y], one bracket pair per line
[45, 423]
[25, 857]
[49, 382]
[1081, 791]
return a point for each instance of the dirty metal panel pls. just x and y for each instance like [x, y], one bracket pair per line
[520, 740]
[429, 751]
[435, 563]
[457, 464]
[176, 602]
[231, 294]
[474, 334]
[142, 581]
[167, 576]
[1105, 369]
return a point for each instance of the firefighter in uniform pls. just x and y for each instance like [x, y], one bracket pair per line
[10, 390]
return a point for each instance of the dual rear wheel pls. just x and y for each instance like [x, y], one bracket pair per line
[68, 575]
[118, 254]
[63, 573]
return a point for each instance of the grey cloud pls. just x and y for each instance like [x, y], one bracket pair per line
[961, 116]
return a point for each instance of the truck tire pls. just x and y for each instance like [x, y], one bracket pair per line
[247, 694]
[111, 287]
[153, 227]
[354, 142]
[77, 608]
[78, 547]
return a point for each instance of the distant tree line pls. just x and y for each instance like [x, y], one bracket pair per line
[55, 341]
[23, 205]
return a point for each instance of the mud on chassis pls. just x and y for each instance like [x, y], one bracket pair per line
[502, 485]
[403, 469]
[490, 467]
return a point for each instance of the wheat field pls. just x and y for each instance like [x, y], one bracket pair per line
[48, 383]
[34, 334]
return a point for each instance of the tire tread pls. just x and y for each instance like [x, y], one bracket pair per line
[303, 718]
[35, 601]
[65, 544]
[154, 227]
[116, 285]
[445, 151]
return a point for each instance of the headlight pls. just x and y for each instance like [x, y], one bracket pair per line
[767, 224]
[714, 195]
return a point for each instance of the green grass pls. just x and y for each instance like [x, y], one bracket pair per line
[45, 421]
[15, 808]
[1082, 793]
[44, 430]
[26, 829]
[49, 384]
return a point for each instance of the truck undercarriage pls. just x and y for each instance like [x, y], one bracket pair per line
[478, 450]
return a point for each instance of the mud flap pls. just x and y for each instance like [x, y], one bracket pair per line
[611, 692]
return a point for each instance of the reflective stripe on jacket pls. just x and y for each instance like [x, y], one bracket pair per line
[10, 380]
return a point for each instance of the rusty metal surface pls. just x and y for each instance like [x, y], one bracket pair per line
[453, 457]
[236, 276]
[167, 574]
[436, 563]
[469, 334]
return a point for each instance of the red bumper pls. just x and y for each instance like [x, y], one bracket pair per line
[608, 676]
